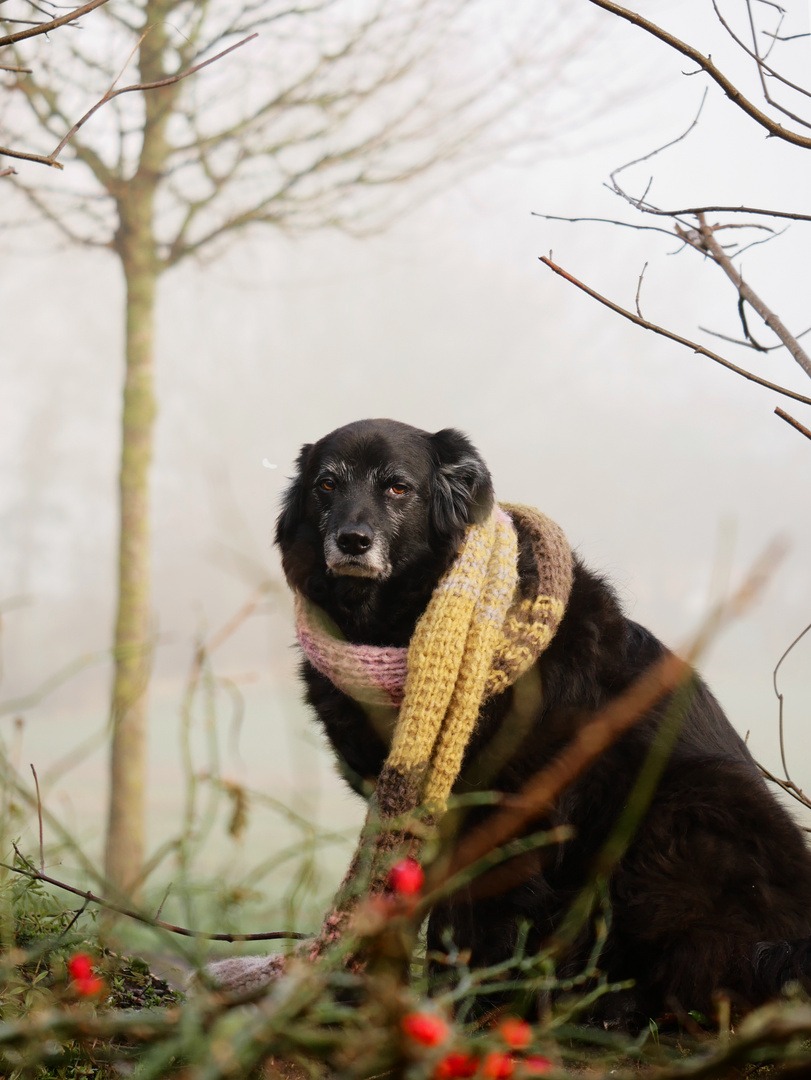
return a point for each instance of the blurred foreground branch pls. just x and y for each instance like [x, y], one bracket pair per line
[594, 737]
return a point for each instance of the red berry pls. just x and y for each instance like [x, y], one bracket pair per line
[406, 877]
[89, 987]
[456, 1066]
[515, 1032]
[424, 1028]
[535, 1065]
[80, 966]
[498, 1066]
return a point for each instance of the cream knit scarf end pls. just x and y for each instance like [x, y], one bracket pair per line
[484, 626]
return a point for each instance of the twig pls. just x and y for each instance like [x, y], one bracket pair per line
[799, 637]
[28, 701]
[604, 221]
[239, 617]
[674, 337]
[762, 67]
[76, 916]
[44, 28]
[784, 37]
[717, 253]
[653, 153]
[163, 901]
[92, 898]
[695, 210]
[737, 341]
[5, 151]
[169, 81]
[704, 62]
[747, 333]
[202, 654]
[788, 786]
[794, 423]
[748, 344]
[639, 289]
[39, 818]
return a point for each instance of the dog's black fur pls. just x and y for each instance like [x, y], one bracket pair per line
[714, 892]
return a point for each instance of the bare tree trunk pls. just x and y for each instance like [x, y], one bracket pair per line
[126, 831]
[135, 244]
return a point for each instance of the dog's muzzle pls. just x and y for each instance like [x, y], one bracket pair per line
[354, 551]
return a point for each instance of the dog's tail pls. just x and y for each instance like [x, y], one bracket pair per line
[776, 963]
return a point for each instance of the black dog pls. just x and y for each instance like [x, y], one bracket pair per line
[714, 892]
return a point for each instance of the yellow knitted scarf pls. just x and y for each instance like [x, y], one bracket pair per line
[484, 626]
[486, 623]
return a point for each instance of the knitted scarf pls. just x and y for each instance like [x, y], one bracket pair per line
[479, 633]
[484, 626]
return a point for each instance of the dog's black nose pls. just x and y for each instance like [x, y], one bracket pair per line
[354, 539]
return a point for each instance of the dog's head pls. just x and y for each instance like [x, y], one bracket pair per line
[377, 498]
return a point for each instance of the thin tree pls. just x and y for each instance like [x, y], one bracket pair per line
[319, 121]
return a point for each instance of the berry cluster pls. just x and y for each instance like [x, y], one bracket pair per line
[426, 1029]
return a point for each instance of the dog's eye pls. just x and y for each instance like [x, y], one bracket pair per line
[326, 483]
[397, 489]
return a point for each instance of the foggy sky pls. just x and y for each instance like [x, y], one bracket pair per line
[666, 472]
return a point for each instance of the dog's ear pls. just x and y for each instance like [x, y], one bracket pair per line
[462, 489]
[293, 501]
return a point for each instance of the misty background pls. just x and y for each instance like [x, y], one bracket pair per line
[667, 473]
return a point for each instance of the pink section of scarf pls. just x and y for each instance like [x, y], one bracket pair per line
[368, 673]
[372, 674]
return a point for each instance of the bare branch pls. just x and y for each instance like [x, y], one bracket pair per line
[43, 102]
[798, 638]
[138, 916]
[695, 210]
[654, 153]
[44, 28]
[716, 252]
[604, 221]
[788, 786]
[749, 344]
[59, 221]
[794, 423]
[763, 67]
[674, 337]
[38, 158]
[704, 62]
[39, 819]
[639, 289]
[169, 81]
